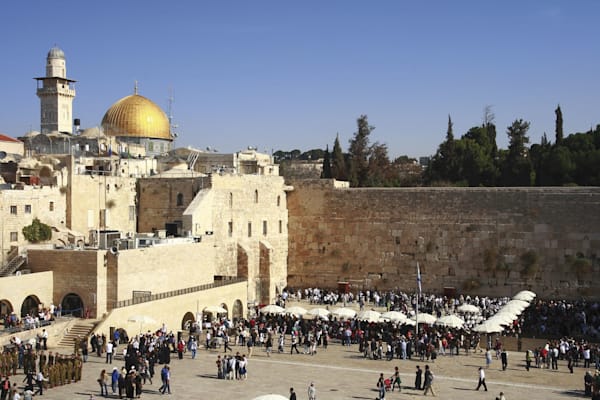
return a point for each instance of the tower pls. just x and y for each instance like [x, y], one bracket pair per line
[56, 93]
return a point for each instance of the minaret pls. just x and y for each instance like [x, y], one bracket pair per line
[56, 93]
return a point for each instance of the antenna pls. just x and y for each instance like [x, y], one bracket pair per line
[172, 126]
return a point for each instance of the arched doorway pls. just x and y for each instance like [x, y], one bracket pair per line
[30, 305]
[238, 310]
[72, 304]
[187, 321]
[5, 308]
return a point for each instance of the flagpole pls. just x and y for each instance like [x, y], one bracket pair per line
[418, 295]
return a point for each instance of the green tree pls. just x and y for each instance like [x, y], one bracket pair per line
[37, 232]
[559, 126]
[326, 173]
[443, 166]
[379, 167]
[338, 164]
[360, 152]
[516, 168]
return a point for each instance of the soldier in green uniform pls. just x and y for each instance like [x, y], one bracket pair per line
[46, 372]
[42, 361]
[69, 370]
[14, 360]
[78, 368]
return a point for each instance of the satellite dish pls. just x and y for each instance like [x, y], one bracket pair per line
[2, 155]
[114, 250]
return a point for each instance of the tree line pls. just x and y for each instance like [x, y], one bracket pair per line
[474, 159]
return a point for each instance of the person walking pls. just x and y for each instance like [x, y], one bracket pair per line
[165, 376]
[504, 358]
[396, 380]
[193, 347]
[481, 379]
[381, 387]
[312, 391]
[292, 394]
[102, 383]
[428, 386]
[418, 378]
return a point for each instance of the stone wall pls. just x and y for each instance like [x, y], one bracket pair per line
[492, 241]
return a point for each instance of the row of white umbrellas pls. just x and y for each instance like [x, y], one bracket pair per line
[365, 315]
[507, 314]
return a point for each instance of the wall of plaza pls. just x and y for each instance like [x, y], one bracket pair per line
[174, 311]
[487, 241]
[15, 289]
[101, 279]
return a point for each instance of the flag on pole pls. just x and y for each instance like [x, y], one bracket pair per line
[418, 278]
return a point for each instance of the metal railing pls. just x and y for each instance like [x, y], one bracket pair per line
[178, 292]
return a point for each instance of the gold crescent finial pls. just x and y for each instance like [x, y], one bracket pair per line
[135, 87]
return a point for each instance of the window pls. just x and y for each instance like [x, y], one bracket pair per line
[230, 228]
[132, 213]
[278, 201]
[249, 229]
[280, 226]
[230, 200]
[27, 208]
[13, 210]
[265, 228]
[51, 206]
[256, 196]
[179, 199]
[14, 236]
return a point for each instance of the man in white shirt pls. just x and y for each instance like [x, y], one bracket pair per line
[481, 379]
[109, 352]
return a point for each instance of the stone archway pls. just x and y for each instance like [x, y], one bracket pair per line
[238, 310]
[30, 305]
[5, 308]
[187, 321]
[72, 304]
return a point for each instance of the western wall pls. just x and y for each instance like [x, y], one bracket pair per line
[486, 241]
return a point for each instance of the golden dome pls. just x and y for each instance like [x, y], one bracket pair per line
[136, 116]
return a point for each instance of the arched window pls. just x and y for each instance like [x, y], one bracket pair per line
[278, 201]
[179, 199]
[256, 196]
[230, 200]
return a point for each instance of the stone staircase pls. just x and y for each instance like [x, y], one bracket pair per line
[12, 266]
[80, 329]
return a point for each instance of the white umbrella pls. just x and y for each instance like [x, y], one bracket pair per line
[488, 327]
[270, 397]
[396, 316]
[295, 310]
[368, 315]
[344, 312]
[524, 296]
[468, 309]
[142, 319]
[215, 310]
[424, 318]
[318, 312]
[451, 321]
[503, 318]
[271, 309]
[409, 321]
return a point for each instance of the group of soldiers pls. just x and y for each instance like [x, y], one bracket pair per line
[58, 369]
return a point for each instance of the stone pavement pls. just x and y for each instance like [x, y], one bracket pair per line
[338, 373]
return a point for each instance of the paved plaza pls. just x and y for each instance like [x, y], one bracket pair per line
[338, 373]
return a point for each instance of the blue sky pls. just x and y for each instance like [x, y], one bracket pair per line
[291, 75]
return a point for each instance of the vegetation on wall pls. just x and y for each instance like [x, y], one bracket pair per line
[37, 232]
[580, 265]
[471, 284]
[529, 262]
